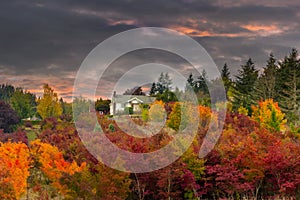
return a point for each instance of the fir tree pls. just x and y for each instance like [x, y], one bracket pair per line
[164, 83]
[244, 86]
[153, 90]
[225, 74]
[265, 87]
[289, 86]
[201, 83]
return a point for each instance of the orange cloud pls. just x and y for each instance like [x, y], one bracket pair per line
[197, 33]
[251, 30]
[264, 30]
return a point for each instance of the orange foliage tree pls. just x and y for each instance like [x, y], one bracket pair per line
[14, 169]
[53, 164]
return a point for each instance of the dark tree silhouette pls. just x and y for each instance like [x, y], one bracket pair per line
[8, 117]
[134, 91]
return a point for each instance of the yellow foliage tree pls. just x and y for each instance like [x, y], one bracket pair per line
[14, 169]
[157, 111]
[183, 115]
[175, 117]
[269, 115]
[48, 105]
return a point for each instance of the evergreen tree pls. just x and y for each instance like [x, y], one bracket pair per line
[289, 86]
[153, 90]
[135, 91]
[190, 83]
[225, 74]
[66, 107]
[265, 87]
[164, 83]
[6, 92]
[167, 96]
[244, 86]
[201, 83]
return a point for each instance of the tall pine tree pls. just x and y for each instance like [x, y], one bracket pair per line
[289, 86]
[265, 87]
[225, 74]
[244, 86]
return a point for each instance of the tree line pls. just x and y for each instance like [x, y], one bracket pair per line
[17, 104]
[279, 80]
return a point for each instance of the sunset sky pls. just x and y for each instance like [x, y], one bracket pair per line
[46, 41]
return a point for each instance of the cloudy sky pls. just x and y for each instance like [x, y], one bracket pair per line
[46, 41]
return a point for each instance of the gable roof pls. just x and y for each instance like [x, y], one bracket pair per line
[127, 98]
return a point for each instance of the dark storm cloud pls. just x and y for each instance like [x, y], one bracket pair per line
[46, 41]
[36, 37]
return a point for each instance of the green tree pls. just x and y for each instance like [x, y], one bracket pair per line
[167, 96]
[190, 83]
[179, 117]
[134, 91]
[244, 86]
[66, 107]
[265, 87]
[24, 103]
[200, 84]
[102, 105]
[48, 104]
[153, 90]
[289, 86]
[164, 83]
[6, 92]
[225, 74]
[80, 106]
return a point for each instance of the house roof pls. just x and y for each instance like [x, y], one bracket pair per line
[127, 98]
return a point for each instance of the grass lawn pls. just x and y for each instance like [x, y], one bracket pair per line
[32, 132]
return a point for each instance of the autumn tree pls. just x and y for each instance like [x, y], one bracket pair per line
[179, 117]
[157, 112]
[8, 117]
[52, 164]
[175, 117]
[15, 162]
[269, 115]
[282, 169]
[48, 104]
[17, 136]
